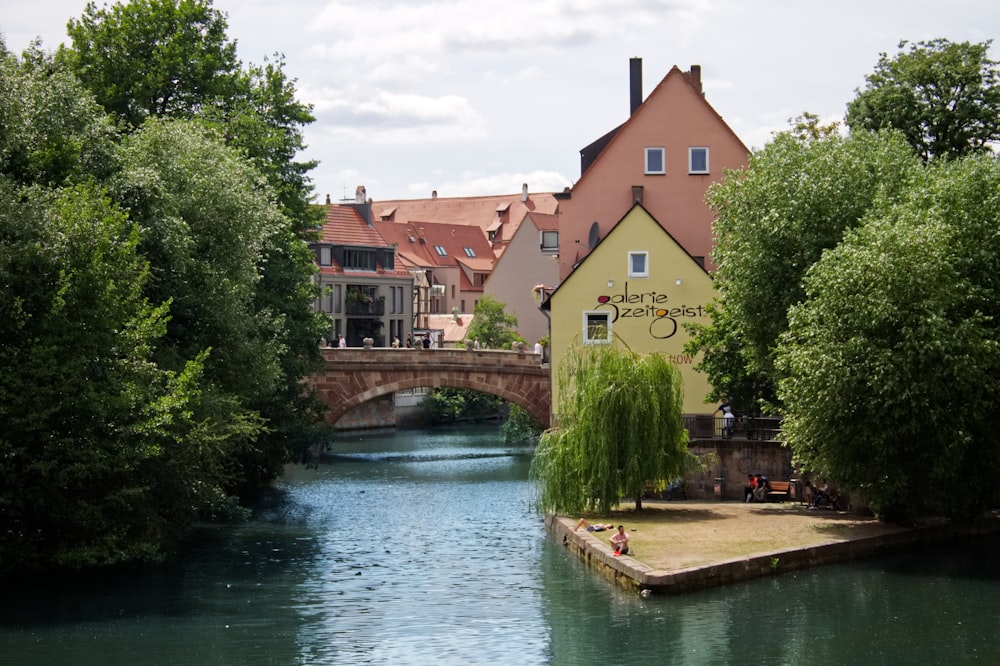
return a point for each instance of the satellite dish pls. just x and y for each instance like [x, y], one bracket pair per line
[595, 236]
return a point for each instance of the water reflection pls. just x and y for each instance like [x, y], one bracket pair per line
[420, 547]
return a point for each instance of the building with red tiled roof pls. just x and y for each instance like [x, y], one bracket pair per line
[530, 261]
[450, 264]
[620, 280]
[497, 216]
[363, 290]
[665, 156]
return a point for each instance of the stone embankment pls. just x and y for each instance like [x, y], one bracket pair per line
[653, 572]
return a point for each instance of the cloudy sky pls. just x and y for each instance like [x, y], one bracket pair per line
[474, 97]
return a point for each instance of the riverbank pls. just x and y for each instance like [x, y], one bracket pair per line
[680, 546]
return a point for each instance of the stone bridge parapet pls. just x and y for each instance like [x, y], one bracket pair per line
[356, 375]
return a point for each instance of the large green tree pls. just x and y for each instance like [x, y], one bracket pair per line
[774, 219]
[102, 457]
[620, 428]
[943, 96]
[149, 60]
[891, 364]
[95, 464]
[207, 225]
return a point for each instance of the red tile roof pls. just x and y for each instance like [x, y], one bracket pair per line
[481, 212]
[416, 243]
[345, 226]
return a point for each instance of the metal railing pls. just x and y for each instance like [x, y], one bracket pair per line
[701, 426]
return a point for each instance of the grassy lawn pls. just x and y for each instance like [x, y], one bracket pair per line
[681, 534]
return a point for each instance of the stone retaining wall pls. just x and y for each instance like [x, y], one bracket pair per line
[631, 574]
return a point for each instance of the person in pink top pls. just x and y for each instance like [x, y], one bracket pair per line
[620, 541]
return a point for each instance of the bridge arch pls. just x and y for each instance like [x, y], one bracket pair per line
[351, 377]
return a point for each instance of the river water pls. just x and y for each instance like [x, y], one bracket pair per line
[420, 547]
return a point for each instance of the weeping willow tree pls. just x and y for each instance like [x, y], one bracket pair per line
[619, 428]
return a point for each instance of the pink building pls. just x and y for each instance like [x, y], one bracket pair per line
[673, 146]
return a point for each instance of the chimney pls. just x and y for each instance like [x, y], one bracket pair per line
[694, 78]
[359, 194]
[434, 194]
[635, 83]
[524, 192]
[637, 194]
[328, 200]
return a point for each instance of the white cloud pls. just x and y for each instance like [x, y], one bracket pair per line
[478, 97]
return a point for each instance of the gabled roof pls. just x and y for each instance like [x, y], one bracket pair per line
[546, 304]
[592, 153]
[345, 226]
[544, 221]
[502, 212]
[418, 243]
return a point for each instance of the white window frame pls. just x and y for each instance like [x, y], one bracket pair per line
[550, 247]
[603, 314]
[645, 262]
[691, 169]
[656, 150]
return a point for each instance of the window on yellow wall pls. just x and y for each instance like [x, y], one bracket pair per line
[638, 264]
[596, 327]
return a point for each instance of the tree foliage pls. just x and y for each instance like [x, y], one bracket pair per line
[521, 426]
[155, 304]
[152, 58]
[620, 427]
[943, 96]
[775, 218]
[492, 325]
[447, 405]
[891, 363]
[94, 436]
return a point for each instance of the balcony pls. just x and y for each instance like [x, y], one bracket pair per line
[362, 308]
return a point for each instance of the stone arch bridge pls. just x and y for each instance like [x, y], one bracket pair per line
[354, 376]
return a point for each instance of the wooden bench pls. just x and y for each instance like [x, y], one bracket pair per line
[780, 491]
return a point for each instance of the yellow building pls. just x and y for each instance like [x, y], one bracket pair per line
[639, 287]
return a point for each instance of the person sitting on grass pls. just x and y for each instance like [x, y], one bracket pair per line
[599, 527]
[620, 541]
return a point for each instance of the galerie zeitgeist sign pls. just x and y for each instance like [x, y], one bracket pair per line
[663, 315]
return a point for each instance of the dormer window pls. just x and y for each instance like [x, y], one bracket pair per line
[656, 161]
[359, 260]
[325, 256]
